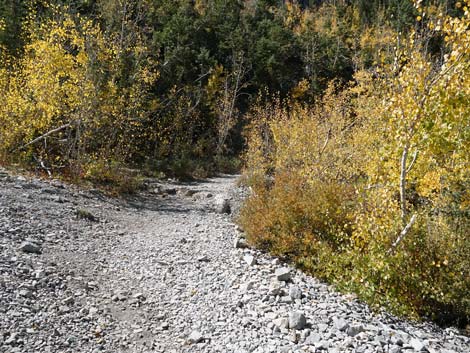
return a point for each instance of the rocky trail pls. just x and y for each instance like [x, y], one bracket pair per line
[168, 271]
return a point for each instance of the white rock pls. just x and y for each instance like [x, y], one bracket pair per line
[222, 204]
[245, 287]
[295, 292]
[281, 322]
[354, 330]
[275, 287]
[283, 274]
[195, 337]
[26, 293]
[341, 324]
[249, 259]
[240, 243]
[417, 344]
[40, 274]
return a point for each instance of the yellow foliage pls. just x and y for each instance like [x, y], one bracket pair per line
[67, 81]
[395, 148]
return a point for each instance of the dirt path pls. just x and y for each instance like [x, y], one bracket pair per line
[160, 272]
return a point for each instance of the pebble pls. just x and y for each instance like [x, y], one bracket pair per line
[295, 292]
[417, 344]
[341, 324]
[283, 274]
[275, 287]
[281, 323]
[354, 330]
[297, 320]
[29, 247]
[240, 243]
[249, 259]
[195, 337]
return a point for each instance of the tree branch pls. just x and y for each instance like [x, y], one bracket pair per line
[412, 162]
[403, 171]
[403, 233]
[328, 135]
[42, 137]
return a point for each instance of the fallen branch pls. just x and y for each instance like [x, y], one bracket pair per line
[403, 233]
[42, 137]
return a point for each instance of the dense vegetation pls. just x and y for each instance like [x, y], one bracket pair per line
[166, 84]
[369, 187]
[354, 115]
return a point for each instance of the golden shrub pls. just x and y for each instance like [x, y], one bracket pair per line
[369, 188]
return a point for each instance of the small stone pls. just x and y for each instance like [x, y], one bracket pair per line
[245, 287]
[249, 259]
[68, 301]
[322, 345]
[86, 215]
[119, 296]
[286, 299]
[170, 191]
[195, 337]
[222, 205]
[313, 338]
[354, 330]
[270, 316]
[297, 320]
[295, 292]
[275, 287]
[417, 344]
[203, 259]
[283, 274]
[139, 296]
[12, 339]
[63, 309]
[240, 243]
[281, 323]
[26, 293]
[40, 274]
[189, 193]
[293, 337]
[341, 324]
[30, 248]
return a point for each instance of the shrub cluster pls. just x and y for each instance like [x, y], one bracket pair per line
[369, 188]
[165, 85]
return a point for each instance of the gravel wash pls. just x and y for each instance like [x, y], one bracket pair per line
[168, 271]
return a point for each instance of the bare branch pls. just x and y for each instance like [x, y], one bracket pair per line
[328, 135]
[42, 137]
[403, 171]
[412, 162]
[403, 233]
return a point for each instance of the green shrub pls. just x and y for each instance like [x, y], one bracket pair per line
[113, 177]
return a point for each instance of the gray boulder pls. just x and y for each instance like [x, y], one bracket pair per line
[297, 320]
[30, 248]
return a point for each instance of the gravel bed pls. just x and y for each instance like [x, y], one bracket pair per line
[168, 271]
